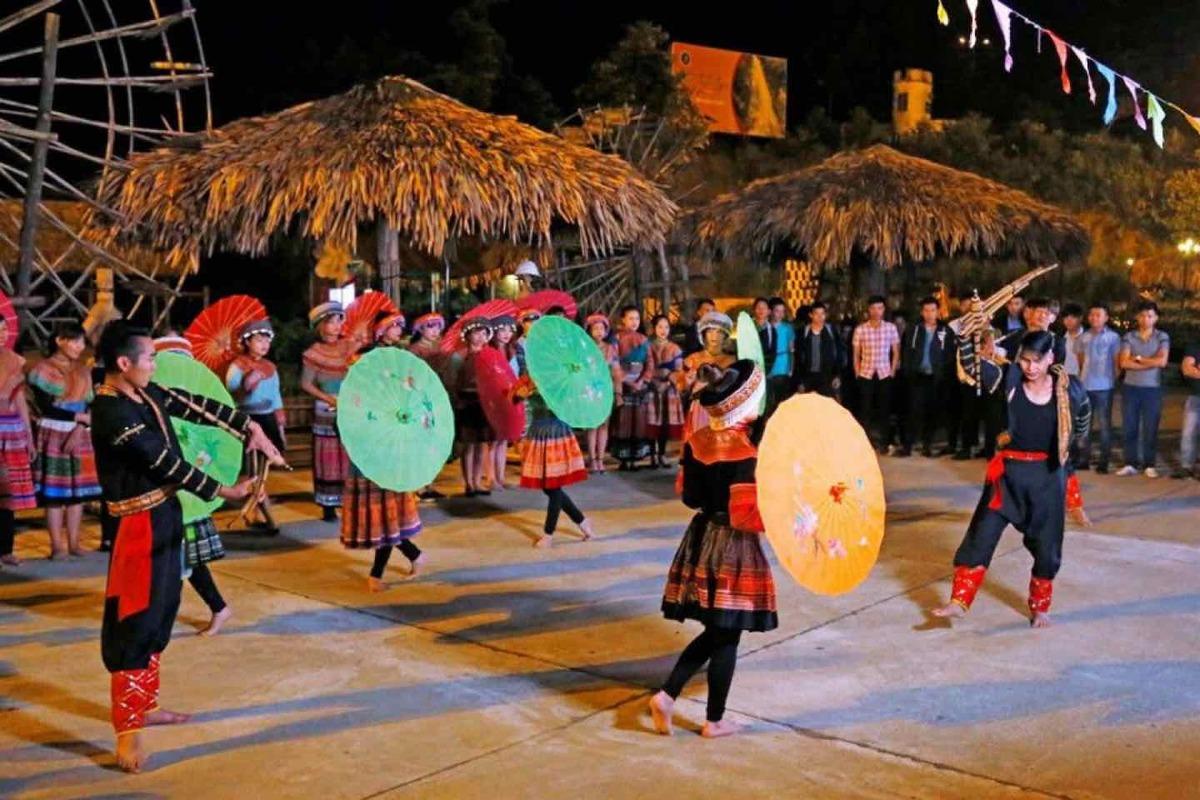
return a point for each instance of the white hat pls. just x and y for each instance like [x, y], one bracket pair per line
[528, 268]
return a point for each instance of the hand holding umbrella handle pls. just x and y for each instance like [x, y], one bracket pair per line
[257, 441]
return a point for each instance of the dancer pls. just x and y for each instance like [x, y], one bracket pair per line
[474, 432]
[505, 329]
[715, 329]
[65, 472]
[630, 442]
[325, 365]
[141, 467]
[1027, 478]
[664, 421]
[597, 438]
[550, 460]
[428, 347]
[17, 450]
[253, 380]
[201, 541]
[374, 517]
[720, 575]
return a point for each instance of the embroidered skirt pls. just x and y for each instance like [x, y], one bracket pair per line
[201, 542]
[16, 473]
[472, 424]
[330, 462]
[550, 456]
[65, 473]
[376, 517]
[664, 414]
[628, 439]
[720, 577]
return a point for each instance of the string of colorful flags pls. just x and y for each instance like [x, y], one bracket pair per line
[1155, 111]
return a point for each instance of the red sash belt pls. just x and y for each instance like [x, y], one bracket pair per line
[129, 569]
[995, 470]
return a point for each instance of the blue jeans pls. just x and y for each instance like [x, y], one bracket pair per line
[1191, 430]
[1102, 403]
[1141, 409]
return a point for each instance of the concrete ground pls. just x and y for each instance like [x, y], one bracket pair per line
[509, 672]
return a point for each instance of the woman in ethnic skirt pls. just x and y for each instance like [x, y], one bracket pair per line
[17, 451]
[325, 365]
[65, 473]
[720, 575]
[664, 422]
[253, 380]
[374, 517]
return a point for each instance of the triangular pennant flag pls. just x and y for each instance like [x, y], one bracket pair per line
[1083, 59]
[1110, 110]
[1156, 114]
[942, 16]
[973, 6]
[1133, 87]
[1004, 17]
[1193, 121]
[1061, 48]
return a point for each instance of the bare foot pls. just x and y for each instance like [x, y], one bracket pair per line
[375, 584]
[57, 555]
[544, 541]
[585, 529]
[414, 567]
[1040, 619]
[949, 611]
[218, 619]
[661, 706]
[1080, 517]
[160, 716]
[77, 552]
[10, 560]
[715, 730]
[130, 755]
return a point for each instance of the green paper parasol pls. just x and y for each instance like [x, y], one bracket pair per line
[214, 451]
[750, 346]
[395, 419]
[570, 372]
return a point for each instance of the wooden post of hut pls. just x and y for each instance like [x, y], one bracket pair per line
[387, 253]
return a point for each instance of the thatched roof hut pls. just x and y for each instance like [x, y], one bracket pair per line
[889, 207]
[431, 167]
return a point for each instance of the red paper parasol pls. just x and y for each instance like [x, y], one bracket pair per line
[453, 339]
[547, 299]
[360, 315]
[10, 316]
[214, 332]
[495, 380]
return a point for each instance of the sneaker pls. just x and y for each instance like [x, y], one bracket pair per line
[1151, 472]
[1127, 470]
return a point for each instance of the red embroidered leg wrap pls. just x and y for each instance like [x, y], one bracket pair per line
[132, 696]
[1074, 493]
[155, 661]
[967, 581]
[1041, 591]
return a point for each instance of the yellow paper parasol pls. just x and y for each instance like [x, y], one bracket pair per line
[820, 494]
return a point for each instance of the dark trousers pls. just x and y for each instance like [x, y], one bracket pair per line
[1102, 403]
[1034, 505]
[128, 640]
[8, 531]
[382, 554]
[202, 581]
[557, 500]
[986, 410]
[718, 648]
[926, 409]
[1141, 411]
[875, 409]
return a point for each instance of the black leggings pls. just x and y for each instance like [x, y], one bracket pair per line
[202, 581]
[717, 646]
[8, 531]
[559, 501]
[382, 554]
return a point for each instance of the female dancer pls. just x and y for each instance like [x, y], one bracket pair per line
[630, 442]
[16, 447]
[713, 329]
[720, 576]
[325, 365]
[474, 432]
[65, 473]
[597, 438]
[374, 517]
[253, 381]
[665, 418]
[505, 329]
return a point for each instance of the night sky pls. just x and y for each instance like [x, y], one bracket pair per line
[267, 54]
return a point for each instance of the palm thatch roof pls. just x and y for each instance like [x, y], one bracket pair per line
[887, 206]
[65, 244]
[433, 168]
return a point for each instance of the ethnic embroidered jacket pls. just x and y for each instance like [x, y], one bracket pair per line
[137, 454]
[717, 477]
